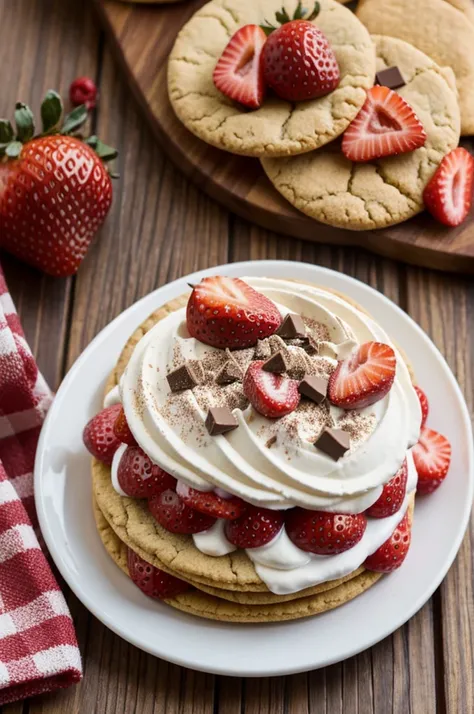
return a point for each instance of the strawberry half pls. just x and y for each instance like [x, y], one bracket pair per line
[98, 435]
[423, 403]
[298, 62]
[448, 195]
[432, 457]
[122, 430]
[152, 581]
[392, 553]
[238, 73]
[139, 477]
[272, 395]
[324, 533]
[392, 496]
[257, 527]
[385, 126]
[173, 514]
[211, 503]
[364, 377]
[226, 312]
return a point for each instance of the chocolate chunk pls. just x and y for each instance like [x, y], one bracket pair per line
[313, 387]
[262, 350]
[291, 327]
[310, 346]
[277, 363]
[228, 373]
[181, 378]
[334, 442]
[220, 420]
[390, 77]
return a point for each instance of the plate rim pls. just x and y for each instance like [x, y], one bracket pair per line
[239, 268]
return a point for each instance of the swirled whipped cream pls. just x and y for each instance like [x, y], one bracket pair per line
[272, 463]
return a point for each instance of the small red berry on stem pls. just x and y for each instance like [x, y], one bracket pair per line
[83, 91]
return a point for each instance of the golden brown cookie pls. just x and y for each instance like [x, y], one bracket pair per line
[278, 128]
[362, 196]
[443, 30]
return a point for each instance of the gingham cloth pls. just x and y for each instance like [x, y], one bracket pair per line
[38, 647]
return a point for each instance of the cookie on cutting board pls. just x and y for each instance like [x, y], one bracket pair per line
[442, 30]
[360, 196]
[278, 128]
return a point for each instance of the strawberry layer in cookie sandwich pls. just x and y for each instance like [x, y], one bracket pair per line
[270, 419]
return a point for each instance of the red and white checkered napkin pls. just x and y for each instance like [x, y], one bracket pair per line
[38, 647]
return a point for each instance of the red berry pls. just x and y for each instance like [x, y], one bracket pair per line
[238, 73]
[255, 528]
[392, 496]
[152, 581]
[324, 533]
[448, 195]
[173, 514]
[424, 405]
[122, 430]
[385, 126]
[226, 312]
[272, 395]
[432, 457]
[299, 63]
[139, 477]
[392, 553]
[98, 435]
[210, 503]
[83, 91]
[364, 377]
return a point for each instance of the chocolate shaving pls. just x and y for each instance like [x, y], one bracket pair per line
[390, 77]
[310, 346]
[229, 372]
[333, 442]
[291, 327]
[314, 388]
[220, 420]
[182, 378]
[277, 363]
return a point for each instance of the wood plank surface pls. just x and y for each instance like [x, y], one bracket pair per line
[162, 226]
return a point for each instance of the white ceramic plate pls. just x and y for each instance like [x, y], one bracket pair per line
[63, 498]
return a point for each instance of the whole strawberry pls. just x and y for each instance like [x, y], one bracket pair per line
[298, 62]
[55, 190]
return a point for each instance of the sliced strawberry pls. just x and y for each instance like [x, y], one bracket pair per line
[239, 73]
[122, 430]
[173, 514]
[392, 496]
[152, 581]
[392, 553]
[139, 477]
[211, 503]
[272, 395]
[255, 528]
[98, 435]
[226, 312]
[448, 195]
[364, 377]
[385, 126]
[424, 404]
[324, 533]
[432, 457]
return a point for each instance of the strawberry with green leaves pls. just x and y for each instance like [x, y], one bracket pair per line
[55, 190]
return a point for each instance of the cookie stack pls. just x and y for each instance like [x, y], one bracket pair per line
[396, 99]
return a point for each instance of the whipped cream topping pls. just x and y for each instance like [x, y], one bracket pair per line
[267, 462]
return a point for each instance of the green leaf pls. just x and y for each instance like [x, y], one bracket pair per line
[300, 12]
[6, 131]
[315, 13]
[282, 16]
[103, 151]
[25, 125]
[267, 28]
[51, 110]
[13, 149]
[75, 119]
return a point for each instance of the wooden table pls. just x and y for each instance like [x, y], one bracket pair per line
[161, 227]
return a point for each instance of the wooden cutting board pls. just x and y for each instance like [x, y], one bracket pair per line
[142, 36]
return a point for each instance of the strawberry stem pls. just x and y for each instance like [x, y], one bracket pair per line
[282, 17]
